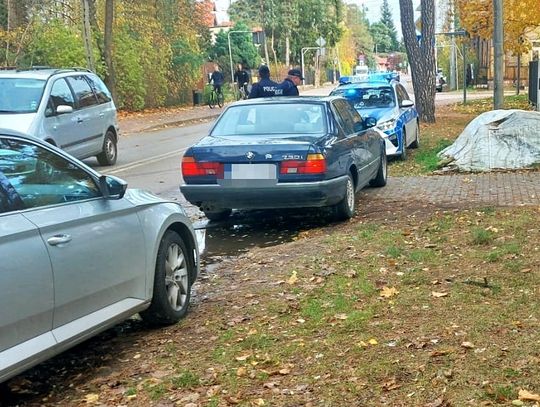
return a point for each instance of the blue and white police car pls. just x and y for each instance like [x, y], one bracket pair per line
[390, 104]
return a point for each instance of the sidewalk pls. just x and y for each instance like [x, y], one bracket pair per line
[150, 120]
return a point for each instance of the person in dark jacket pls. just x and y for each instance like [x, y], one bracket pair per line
[241, 77]
[289, 87]
[217, 79]
[265, 87]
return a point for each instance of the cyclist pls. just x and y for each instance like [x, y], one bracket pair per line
[265, 87]
[241, 77]
[217, 80]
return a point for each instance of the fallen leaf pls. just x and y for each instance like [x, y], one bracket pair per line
[341, 316]
[284, 371]
[243, 357]
[91, 398]
[241, 371]
[293, 279]
[388, 292]
[373, 342]
[467, 345]
[526, 395]
[437, 294]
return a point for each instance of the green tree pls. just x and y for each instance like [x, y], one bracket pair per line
[388, 21]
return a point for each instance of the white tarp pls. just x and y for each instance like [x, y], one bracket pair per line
[497, 140]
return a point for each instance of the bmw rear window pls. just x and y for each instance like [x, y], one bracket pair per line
[20, 95]
[271, 119]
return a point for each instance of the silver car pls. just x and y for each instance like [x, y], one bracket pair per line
[80, 252]
[69, 108]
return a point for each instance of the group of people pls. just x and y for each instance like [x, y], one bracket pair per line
[265, 87]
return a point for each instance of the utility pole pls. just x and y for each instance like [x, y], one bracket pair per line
[498, 92]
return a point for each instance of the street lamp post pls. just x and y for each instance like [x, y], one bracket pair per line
[230, 52]
[303, 51]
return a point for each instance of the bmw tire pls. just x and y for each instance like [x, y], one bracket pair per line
[344, 209]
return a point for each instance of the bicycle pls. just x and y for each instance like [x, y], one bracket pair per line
[242, 92]
[215, 98]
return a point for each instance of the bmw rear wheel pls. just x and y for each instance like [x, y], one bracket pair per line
[109, 152]
[344, 209]
[172, 282]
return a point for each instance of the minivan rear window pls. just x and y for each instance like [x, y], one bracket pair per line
[20, 95]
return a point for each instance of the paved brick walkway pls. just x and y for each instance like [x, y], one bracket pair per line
[491, 189]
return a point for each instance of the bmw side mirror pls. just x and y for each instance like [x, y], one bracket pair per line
[407, 103]
[370, 122]
[112, 187]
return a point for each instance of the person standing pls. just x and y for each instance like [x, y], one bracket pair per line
[217, 79]
[289, 86]
[241, 77]
[265, 87]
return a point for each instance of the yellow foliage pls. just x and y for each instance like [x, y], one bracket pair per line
[520, 17]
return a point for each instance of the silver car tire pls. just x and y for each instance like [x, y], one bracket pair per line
[109, 153]
[345, 208]
[172, 282]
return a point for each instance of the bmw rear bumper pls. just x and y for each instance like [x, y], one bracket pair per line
[249, 194]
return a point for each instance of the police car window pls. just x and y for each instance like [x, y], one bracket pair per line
[83, 93]
[402, 93]
[39, 177]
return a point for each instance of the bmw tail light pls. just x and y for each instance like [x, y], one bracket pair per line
[314, 164]
[193, 168]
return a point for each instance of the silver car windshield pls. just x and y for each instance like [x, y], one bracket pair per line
[368, 98]
[271, 120]
[20, 95]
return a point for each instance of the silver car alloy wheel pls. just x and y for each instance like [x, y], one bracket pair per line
[176, 277]
[110, 150]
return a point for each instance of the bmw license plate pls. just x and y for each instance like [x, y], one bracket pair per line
[251, 171]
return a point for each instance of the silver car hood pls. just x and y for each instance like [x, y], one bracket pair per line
[143, 197]
[20, 122]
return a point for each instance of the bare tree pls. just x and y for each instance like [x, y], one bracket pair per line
[421, 55]
[110, 77]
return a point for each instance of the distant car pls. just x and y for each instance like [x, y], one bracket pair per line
[284, 153]
[389, 104]
[440, 81]
[69, 108]
[80, 252]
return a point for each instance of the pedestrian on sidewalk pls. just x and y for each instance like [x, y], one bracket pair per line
[265, 87]
[289, 86]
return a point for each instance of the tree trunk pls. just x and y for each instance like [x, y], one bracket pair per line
[87, 35]
[287, 51]
[421, 55]
[110, 77]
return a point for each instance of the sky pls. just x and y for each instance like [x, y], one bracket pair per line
[373, 10]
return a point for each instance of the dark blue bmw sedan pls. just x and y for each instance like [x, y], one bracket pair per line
[284, 153]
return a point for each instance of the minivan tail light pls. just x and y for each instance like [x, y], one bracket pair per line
[314, 164]
[194, 168]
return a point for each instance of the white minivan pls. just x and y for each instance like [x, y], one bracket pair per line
[69, 108]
